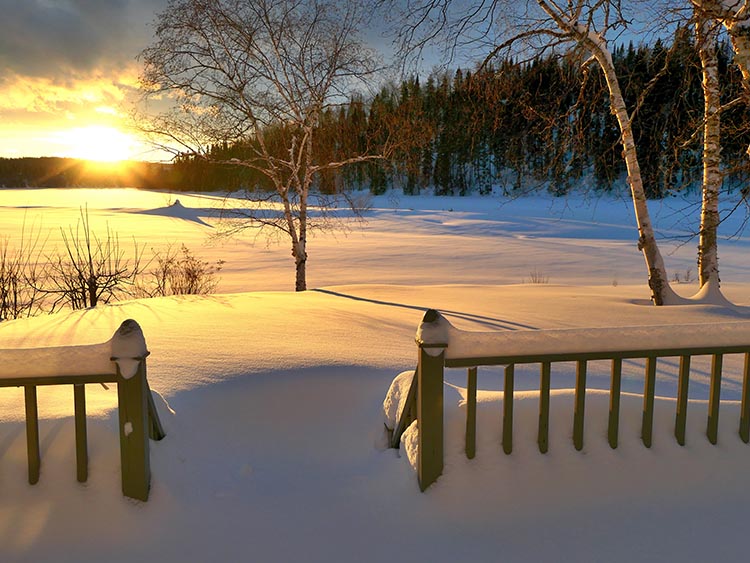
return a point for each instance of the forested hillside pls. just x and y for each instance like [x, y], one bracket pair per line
[514, 126]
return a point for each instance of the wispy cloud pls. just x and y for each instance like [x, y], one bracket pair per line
[67, 63]
[52, 38]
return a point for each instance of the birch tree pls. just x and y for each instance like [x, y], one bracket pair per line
[706, 39]
[548, 24]
[259, 74]
[734, 16]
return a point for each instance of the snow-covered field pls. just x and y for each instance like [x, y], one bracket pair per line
[272, 401]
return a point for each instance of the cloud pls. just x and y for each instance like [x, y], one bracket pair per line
[21, 95]
[54, 38]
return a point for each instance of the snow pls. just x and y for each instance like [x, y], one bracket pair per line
[460, 344]
[395, 398]
[126, 348]
[272, 401]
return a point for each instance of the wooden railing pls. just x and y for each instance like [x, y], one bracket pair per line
[441, 345]
[121, 361]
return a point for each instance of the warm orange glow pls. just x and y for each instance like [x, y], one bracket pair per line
[98, 142]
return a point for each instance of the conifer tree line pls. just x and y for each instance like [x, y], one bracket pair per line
[512, 126]
[518, 126]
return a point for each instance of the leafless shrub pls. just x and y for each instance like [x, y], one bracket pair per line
[687, 277]
[91, 270]
[179, 272]
[19, 276]
[538, 277]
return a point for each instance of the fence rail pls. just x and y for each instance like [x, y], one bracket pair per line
[441, 345]
[138, 418]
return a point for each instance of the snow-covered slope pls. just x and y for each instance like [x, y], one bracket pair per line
[272, 403]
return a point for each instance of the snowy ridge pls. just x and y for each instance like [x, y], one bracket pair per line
[275, 414]
[125, 349]
[468, 344]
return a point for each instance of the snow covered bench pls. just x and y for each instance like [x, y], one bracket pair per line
[441, 345]
[120, 360]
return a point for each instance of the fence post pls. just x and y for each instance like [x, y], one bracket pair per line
[430, 366]
[134, 430]
[613, 427]
[471, 413]
[544, 384]
[508, 409]
[32, 433]
[682, 400]
[82, 455]
[648, 401]
[745, 406]
[580, 404]
[712, 427]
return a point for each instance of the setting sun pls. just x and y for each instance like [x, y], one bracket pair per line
[98, 142]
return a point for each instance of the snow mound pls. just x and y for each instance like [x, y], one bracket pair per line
[178, 211]
[395, 398]
[126, 348]
[436, 332]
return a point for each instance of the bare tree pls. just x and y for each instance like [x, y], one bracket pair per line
[260, 74]
[579, 25]
[20, 273]
[179, 273]
[91, 270]
[734, 15]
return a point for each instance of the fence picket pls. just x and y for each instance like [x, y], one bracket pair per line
[712, 428]
[682, 400]
[508, 409]
[543, 434]
[82, 455]
[580, 405]
[648, 401]
[745, 408]
[435, 354]
[613, 427]
[471, 413]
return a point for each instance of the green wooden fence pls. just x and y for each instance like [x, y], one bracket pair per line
[138, 418]
[440, 345]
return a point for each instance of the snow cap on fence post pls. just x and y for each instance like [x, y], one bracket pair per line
[128, 348]
[433, 333]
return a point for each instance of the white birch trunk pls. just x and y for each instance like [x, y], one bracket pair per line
[708, 261]
[734, 15]
[661, 292]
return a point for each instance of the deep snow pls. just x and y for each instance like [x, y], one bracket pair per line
[272, 401]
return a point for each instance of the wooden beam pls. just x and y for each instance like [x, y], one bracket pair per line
[544, 385]
[32, 433]
[134, 443]
[613, 426]
[580, 405]
[714, 393]
[682, 400]
[82, 455]
[648, 401]
[430, 416]
[471, 413]
[508, 409]
[745, 408]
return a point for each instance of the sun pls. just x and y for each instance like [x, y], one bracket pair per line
[99, 142]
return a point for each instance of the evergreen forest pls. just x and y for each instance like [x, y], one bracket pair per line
[506, 126]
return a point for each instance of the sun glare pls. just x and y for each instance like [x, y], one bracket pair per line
[98, 142]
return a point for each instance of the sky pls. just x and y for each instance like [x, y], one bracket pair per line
[67, 71]
[69, 76]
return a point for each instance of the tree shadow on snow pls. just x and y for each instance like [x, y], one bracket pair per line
[483, 320]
